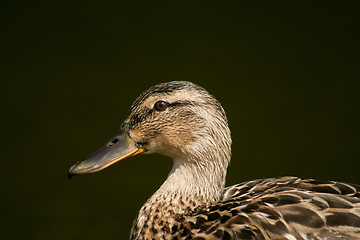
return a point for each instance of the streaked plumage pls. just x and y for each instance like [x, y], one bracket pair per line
[183, 121]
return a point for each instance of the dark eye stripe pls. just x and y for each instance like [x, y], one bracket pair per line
[142, 114]
[182, 103]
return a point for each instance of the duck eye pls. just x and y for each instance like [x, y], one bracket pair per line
[161, 105]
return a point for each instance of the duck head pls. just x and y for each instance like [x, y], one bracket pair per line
[178, 119]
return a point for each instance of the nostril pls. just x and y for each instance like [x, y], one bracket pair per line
[113, 142]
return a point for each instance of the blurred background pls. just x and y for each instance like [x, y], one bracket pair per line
[287, 73]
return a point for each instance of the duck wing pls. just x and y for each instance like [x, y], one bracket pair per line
[288, 208]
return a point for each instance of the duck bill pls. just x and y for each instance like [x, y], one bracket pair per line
[119, 147]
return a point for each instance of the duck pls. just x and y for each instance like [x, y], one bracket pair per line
[183, 121]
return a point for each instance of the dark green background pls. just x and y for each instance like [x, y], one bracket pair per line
[287, 74]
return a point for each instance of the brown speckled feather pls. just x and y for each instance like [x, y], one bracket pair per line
[288, 208]
[274, 208]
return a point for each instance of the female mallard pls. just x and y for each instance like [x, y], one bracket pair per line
[183, 121]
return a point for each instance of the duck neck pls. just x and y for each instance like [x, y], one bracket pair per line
[197, 183]
[190, 186]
